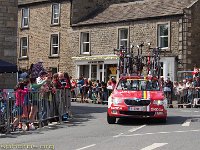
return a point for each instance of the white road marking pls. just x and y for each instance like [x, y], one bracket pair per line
[86, 147]
[135, 129]
[186, 124]
[154, 146]
[118, 135]
[132, 130]
[163, 132]
[196, 111]
[184, 131]
[186, 110]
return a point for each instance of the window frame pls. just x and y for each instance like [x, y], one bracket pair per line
[159, 36]
[119, 36]
[51, 46]
[82, 42]
[27, 17]
[21, 47]
[53, 13]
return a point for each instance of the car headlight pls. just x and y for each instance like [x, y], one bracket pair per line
[116, 100]
[158, 102]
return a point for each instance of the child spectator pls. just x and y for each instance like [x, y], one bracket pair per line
[18, 108]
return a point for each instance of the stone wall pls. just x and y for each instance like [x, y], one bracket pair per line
[8, 39]
[193, 43]
[104, 38]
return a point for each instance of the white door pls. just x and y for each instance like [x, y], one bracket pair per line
[168, 67]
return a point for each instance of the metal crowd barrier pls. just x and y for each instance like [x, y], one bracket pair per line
[188, 97]
[38, 108]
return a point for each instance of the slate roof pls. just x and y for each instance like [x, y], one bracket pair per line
[140, 9]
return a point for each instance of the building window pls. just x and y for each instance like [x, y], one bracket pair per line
[54, 45]
[85, 43]
[55, 19]
[163, 36]
[23, 47]
[25, 18]
[123, 37]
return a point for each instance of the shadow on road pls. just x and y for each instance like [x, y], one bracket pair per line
[171, 120]
[80, 113]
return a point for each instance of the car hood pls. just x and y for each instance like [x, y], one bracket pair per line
[153, 95]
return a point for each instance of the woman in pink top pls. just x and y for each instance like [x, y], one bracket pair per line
[20, 94]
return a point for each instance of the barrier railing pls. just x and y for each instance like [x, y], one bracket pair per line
[21, 110]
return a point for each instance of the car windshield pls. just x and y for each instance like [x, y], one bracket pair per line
[138, 85]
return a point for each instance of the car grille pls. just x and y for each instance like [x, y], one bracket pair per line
[137, 113]
[133, 102]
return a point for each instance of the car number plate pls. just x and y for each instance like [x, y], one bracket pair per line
[137, 108]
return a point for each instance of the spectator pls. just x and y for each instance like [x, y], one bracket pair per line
[56, 96]
[85, 90]
[175, 90]
[34, 87]
[80, 85]
[104, 92]
[197, 86]
[168, 89]
[19, 102]
[73, 89]
[68, 86]
[45, 92]
[190, 87]
[98, 89]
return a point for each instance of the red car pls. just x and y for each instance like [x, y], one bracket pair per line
[137, 97]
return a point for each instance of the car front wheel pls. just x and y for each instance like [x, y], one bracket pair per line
[111, 120]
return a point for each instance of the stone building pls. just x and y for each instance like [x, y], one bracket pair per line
[79, 36]
[44, 31]
[8, 39]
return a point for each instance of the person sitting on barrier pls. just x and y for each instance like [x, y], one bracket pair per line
[19, 102]
[34, 87]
